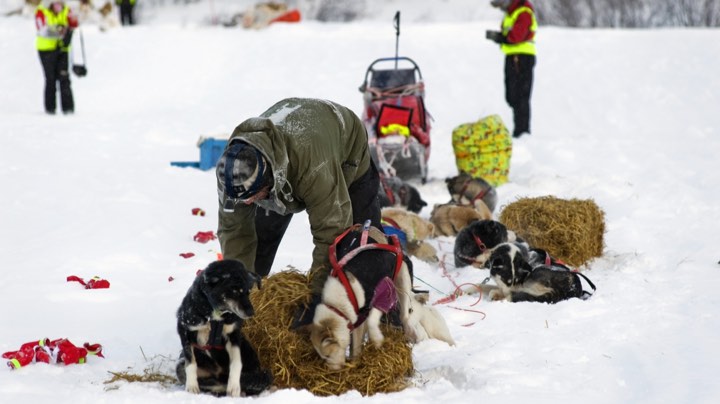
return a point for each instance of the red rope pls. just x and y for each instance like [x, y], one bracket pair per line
[459, 292]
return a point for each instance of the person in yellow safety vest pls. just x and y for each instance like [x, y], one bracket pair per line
[517, 42]
[127, 8]
[55, 23]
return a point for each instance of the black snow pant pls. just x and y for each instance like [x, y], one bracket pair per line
[518, 88]
[270, 226]
[55, 67]
[126, 13]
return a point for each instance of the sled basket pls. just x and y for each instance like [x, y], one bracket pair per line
[394, 114]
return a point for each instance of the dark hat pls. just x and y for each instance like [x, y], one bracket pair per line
[501, 3]
[242, 171]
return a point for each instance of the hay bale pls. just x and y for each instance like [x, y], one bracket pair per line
[570, 230]
[292, 359]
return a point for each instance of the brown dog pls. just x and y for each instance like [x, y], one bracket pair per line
[416, 229]
[450, 218]
[466, 190]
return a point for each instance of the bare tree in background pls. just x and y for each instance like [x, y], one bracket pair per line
[629, 13]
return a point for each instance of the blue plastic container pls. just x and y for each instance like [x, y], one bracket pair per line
[210, 151]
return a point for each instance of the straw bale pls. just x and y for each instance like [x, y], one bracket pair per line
[292, 359]
[570, 230]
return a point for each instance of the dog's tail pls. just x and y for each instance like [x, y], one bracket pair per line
[585, 294]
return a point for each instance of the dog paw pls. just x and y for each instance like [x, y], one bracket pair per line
[233, 390]
[377, 340]
[192, 388]
[496, 295]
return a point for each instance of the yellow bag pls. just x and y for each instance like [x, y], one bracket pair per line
[483, 149]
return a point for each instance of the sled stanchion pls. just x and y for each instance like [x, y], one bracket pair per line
[396, 24]
[80, 70]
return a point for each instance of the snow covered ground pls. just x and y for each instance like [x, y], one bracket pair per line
[628, 118]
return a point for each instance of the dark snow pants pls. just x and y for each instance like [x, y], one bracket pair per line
[270, 226]
[127, 13]
[55, 67]
[518, 88]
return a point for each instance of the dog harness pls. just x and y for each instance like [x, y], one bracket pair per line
[215, 339]
[339, 272]
[480, 195]
[480, 245]
[388, 191]
[553, 263]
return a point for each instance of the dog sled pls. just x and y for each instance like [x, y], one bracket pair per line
[396, 119]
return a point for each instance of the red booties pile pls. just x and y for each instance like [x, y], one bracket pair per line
[59, 351]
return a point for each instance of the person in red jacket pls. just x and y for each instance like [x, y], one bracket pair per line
[517, 41]
[55, 23]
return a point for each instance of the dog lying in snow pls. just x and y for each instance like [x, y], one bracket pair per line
[416, 230]
[394, 192]
[450, 218]
[466, 190]
[426, 322]
[369, 277]
[216, 357]
[519, 281]
[475, 242]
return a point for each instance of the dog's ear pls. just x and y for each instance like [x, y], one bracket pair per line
[522, 271]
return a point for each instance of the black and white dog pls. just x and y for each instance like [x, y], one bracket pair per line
[216, 357]
[475, 242]
[519, 281]
[370, 277]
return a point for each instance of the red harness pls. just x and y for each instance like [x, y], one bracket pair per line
[388, 191]
[338, 266]
[478, 196]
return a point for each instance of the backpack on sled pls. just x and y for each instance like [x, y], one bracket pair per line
[395, 117]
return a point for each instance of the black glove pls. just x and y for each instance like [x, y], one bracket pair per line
[495, 36]
[305, 313]
[67, 37]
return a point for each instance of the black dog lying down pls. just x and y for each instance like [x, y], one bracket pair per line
[476, 241]
[216, 357]
[532, 276]
[393, 191]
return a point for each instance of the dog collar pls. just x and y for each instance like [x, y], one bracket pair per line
[350, 325]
